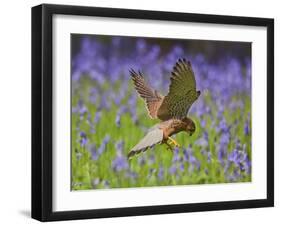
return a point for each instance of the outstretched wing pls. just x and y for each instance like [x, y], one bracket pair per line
[182, 92]
[154, 136]
[151, 97]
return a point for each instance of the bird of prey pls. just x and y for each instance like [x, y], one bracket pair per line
[171, 109]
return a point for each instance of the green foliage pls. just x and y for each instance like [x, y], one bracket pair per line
[153, 167]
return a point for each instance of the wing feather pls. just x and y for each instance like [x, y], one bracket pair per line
[151, 97]
[182, 92]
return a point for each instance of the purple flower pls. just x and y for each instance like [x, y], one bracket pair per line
[134, 117]
[94, 93]
[223, 127]
[97, 117]
[191, 159]
[247, 165]
[132, 101]
[234, 157]
[194, 162]
[160, 174]
[141, 45]
[246, 128]
[203, 142]
[224, 80]
[94, 152]
[176, 156]
[173, 169]
[203, 123]
[225, 138]
[120, 163]
[118, 120]
[186, 154]
[106, 139]
[181, 167]
[132, 175]
[80, 109]
[102, 147]
[104, 103]
[83, 139]
[119, 146]
[222, 152]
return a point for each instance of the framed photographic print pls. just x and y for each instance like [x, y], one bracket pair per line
[146, 112]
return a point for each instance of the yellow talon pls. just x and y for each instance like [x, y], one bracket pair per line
[173, 141]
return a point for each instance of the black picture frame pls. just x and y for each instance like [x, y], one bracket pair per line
[42, 107]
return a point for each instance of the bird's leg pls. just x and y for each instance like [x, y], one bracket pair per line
[173, 142]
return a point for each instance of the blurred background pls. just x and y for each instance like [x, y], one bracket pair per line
[108, 117]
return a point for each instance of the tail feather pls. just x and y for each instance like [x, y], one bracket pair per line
[152, 138]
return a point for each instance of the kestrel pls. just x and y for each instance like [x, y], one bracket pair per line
[171, 109]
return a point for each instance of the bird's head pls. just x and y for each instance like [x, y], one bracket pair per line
[189, 125]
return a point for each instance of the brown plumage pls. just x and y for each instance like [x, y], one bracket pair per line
[171, 109]
[151, 97]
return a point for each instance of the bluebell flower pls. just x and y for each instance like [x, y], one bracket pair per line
[94, 93]
[94, 152]
[181, 167]
[195, 162]
[246, 128]
[203, 123]
[119, 146]
[104, 103]
[102, 147]
[202, 141]
[120, 163]
[160, 174]
[176, 156]
[97, 117]
[222, 152]
[173, 169]
[221, 80]
[118, 120]
[80, 109]
[186, 154]
[131, 175]
[141, 45]
[83, 139]
[234, 157]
